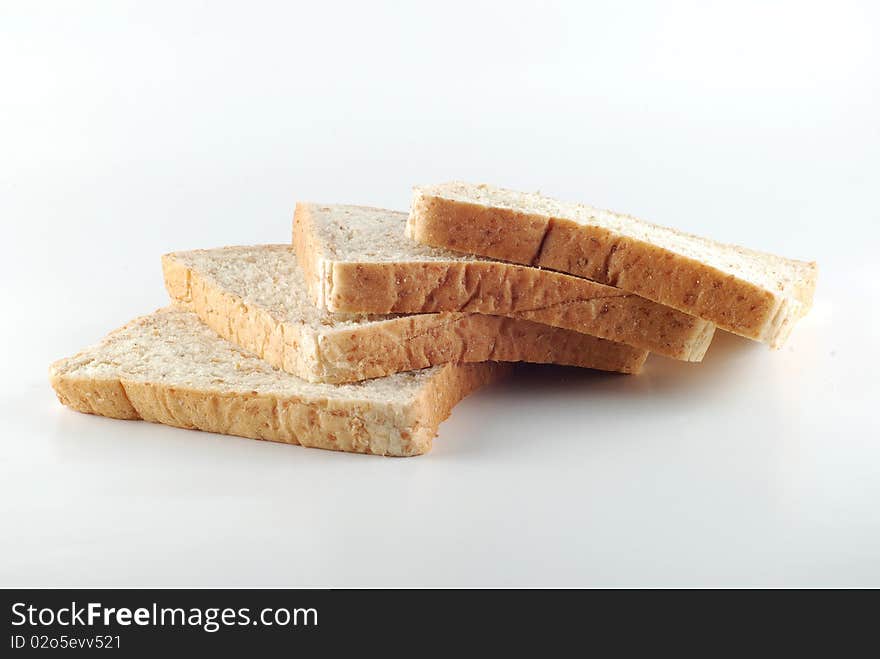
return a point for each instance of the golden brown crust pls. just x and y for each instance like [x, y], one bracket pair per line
[502, 289]
[101, 397]
[413, 342]
[400, 344]
[595, 253]
[391, 430]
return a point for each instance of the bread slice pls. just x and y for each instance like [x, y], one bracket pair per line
[750, 293]
[170, 368]
[358, 259]
[256, 297]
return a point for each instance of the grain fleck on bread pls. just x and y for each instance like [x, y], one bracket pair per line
[257, 298]
[357, 259]
[168, 367]
[751, 293]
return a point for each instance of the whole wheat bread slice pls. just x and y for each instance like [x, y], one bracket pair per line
[357, 259]
[257, 298]
[751, 293]
[170, 368]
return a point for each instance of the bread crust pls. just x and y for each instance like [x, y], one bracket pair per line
[390, 429]
[306, 249]
[399, 344]
[501, 289]
[92, 396]
[413, 342]
[596, 253]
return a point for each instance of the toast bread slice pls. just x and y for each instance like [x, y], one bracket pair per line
[168, 367]
[744, 291]
[256, 297]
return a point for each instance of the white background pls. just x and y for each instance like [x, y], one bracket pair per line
[128, 130]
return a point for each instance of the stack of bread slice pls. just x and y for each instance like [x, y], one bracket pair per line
[363, 332]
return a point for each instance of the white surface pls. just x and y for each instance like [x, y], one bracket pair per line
[131, 130]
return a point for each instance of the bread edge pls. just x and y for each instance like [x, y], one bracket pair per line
[309, 249]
